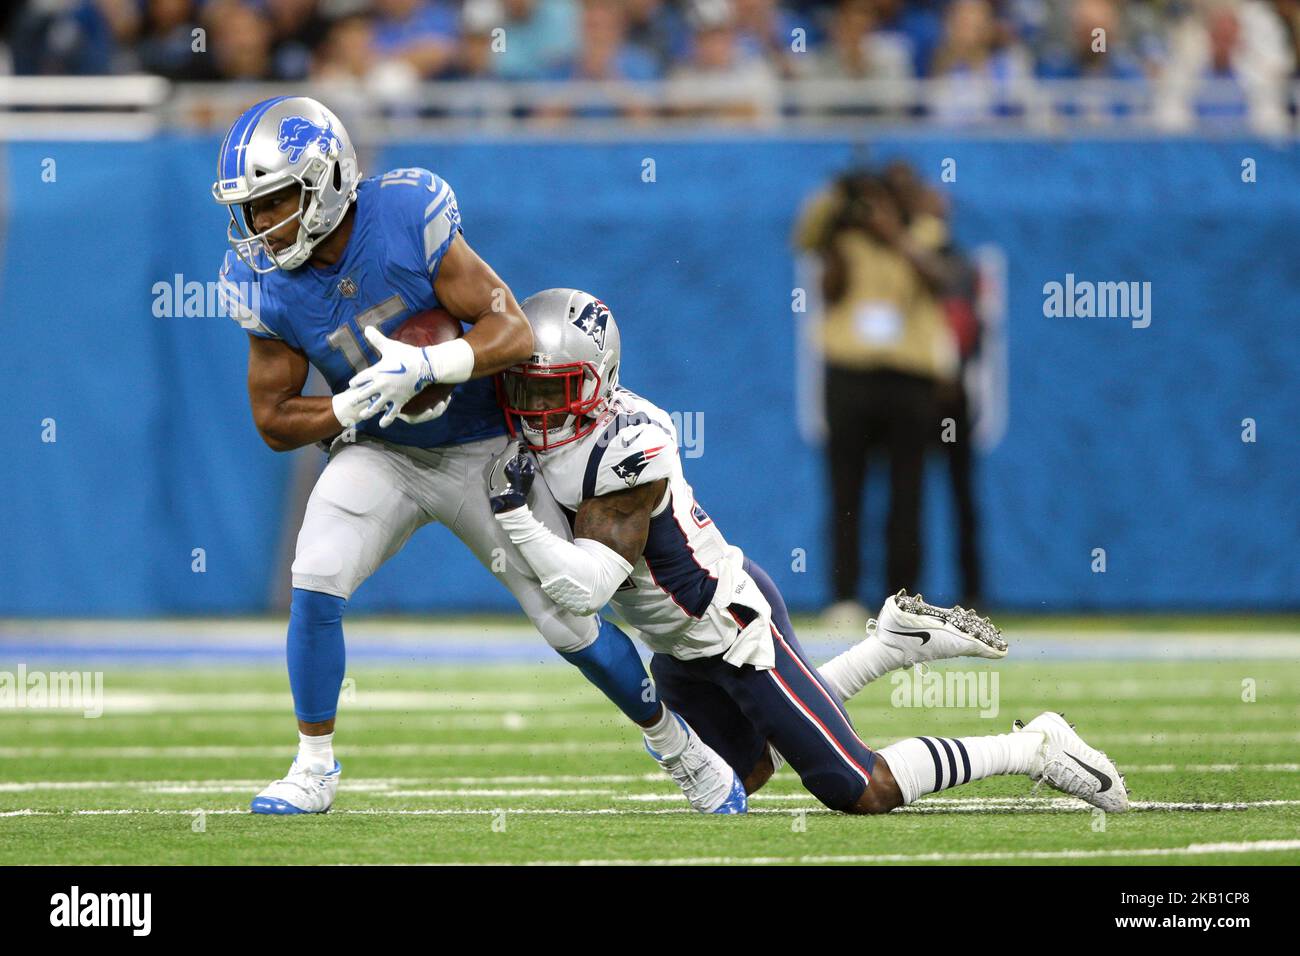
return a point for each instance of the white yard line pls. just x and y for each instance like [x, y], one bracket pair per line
[388, 784]
[931, 805]
[380, 750]
[1194, 849]
[151, 701]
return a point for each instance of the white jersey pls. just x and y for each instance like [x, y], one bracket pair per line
[688, 593]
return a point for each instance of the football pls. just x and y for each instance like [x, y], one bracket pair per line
[430, 327]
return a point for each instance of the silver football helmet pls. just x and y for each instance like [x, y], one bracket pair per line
[559, 394]
[279, 142]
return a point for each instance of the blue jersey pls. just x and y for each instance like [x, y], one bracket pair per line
[405, 220]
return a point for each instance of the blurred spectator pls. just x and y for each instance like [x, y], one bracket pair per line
[1092, 55]
[886, 347]
[1288, 12]
[657, 28]
[1177, 64]
[1229, 64]
[299, 29]
[74, 36]
[478, 19]
[1087, 55]
[917, 24]
[540, 36]
[981, 69]
[603, 51]
[349, 52]
[605, 55]
[166, 44]
[856, 50]
[719, 79]
[420, 33]
[239, 40]
[764, 29]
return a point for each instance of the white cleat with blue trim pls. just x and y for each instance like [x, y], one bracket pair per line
[708, 781]
[302, 790]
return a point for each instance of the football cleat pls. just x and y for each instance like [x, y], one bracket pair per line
[300, 791]
[923, 632]
[1069, 765]
[708, 781]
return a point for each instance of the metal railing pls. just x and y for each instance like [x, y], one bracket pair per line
[138, 106]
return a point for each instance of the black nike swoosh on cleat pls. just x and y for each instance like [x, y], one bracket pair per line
[1101, 777]
[923, 635]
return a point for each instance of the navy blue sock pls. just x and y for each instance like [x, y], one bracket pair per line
[612, 664]
[315, 654]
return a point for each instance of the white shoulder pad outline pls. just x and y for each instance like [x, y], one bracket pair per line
[441, 222]
[239, 295]
[640, 452]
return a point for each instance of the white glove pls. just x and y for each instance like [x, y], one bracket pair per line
[351, 406]
[402, 370]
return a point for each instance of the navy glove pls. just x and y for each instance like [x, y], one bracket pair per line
[510, 478]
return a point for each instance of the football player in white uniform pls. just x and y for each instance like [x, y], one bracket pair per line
[725, 655]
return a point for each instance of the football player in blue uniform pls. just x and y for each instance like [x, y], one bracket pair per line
[323, 264]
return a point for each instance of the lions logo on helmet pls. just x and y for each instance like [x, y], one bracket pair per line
[593, 321]
[297, 133]
[280, 142]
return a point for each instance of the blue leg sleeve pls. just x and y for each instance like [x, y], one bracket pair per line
[612, 664]
[315, 653]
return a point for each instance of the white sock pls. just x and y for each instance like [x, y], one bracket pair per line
[924, 765]
[316, 752]
[859, 666]
[668, 737]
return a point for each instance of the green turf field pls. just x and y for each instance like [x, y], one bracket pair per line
[527, 764]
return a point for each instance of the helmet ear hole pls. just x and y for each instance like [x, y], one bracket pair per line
[338, 175]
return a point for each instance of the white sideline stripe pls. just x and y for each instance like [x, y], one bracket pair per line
[161, 701]
[933, 805]
[369, 784]
[1002, 804]
[381, 750]
[570, 747]
[1193, 849]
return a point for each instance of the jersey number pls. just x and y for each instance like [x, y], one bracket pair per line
[347, 337]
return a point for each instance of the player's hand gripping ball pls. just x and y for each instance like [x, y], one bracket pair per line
[402, 384]
[431, 327]
[510, 478]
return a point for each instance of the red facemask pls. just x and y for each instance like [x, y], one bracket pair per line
[557, 390]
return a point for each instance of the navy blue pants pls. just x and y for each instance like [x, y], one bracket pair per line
[738, 710]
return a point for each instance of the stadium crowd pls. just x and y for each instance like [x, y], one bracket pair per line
[1207, 61]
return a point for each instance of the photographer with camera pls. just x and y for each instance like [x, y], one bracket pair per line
[886, 348]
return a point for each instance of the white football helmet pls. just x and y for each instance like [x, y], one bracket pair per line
[278, 142]
[558, 395]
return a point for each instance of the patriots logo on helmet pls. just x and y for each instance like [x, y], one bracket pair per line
[593, 321]
[630, 468]
[297, 133]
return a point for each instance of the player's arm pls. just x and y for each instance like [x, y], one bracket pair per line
[620, 520]
[609, 535]
[285, 417]
[471, 290]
